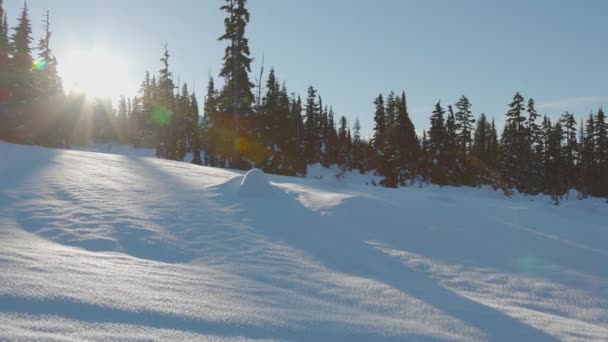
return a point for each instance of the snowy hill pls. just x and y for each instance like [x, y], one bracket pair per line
[103, 247]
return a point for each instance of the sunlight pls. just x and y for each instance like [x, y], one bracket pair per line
[96, 72]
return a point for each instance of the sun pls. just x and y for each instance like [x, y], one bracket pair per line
[95, 72]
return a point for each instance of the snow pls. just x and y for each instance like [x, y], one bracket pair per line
[123, 247]
[256, 184]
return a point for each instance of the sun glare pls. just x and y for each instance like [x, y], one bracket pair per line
[96, 72]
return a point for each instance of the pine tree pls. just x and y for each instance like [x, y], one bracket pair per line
[588, 162]
[311, 138]
[531, 153]
[194, 130]
[49, 82]
[295, 110]
[343, 143]
[601, 154]
[436, 145]
[21, 39]
[122, 119]
[21, 83]
[380, 135]
[407, 142]
[358, 148]
[237, 97]
[513, 144]
[570, 151]
[464, 124]
[213, 137]
[163, 113]
[4, 44]
[480, 139]
[554, 163]
[332, 148]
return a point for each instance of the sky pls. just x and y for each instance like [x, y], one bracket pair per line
[553, 51]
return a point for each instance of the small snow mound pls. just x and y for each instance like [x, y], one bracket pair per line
[255, 183]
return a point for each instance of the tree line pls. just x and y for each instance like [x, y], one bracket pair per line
[244, 125]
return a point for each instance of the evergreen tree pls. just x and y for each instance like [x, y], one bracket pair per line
[531, 153]
[332, 148]
[122, 119]
[553, 160]
[513, 144]
[163, 113]
[49, 82]
[588, 161]
[311, 138]
[343, 143]
[453, 160]
[407, 142]
[21, 39]
[570, 151]
[380, 135]
[358, 148]
[600, 187]
[481, 143]
[464, 124]
[4, 46]
[194, 130]
[298, 152]
[237, 97]
[436, 145]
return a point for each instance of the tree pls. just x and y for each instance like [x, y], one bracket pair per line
[379, 138]
[4, 43]
[436, 145]
[531, 153]
[601, 154]
[407, 142]
[47, 78]
[311, 137]
[464, 124]
[570, 151]
[194, 130]
[236, 98]
[163, 112]
[513, 144]
[21, 39]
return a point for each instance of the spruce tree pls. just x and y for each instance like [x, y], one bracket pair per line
[343, 143]
[588, 161]
[531, 152]
[464, 124]
[163, 113]
[194, 130]
[570, 151]
[513, 144]
[311, 138]
[379, 138]
[4, 44]
[480, 139]
[47, 78]
[436, 145]
[358, 148]
[407, 142]
[600, 187]
[21, 39]
[237, 97]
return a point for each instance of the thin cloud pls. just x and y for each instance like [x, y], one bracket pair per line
[570, 102]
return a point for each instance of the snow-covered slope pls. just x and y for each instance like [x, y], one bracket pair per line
[104, 247]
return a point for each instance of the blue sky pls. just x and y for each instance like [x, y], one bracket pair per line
[553, 51]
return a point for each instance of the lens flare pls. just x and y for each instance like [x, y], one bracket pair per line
[40, 64]
[162, 116]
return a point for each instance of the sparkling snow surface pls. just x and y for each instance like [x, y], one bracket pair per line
[112, 247]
